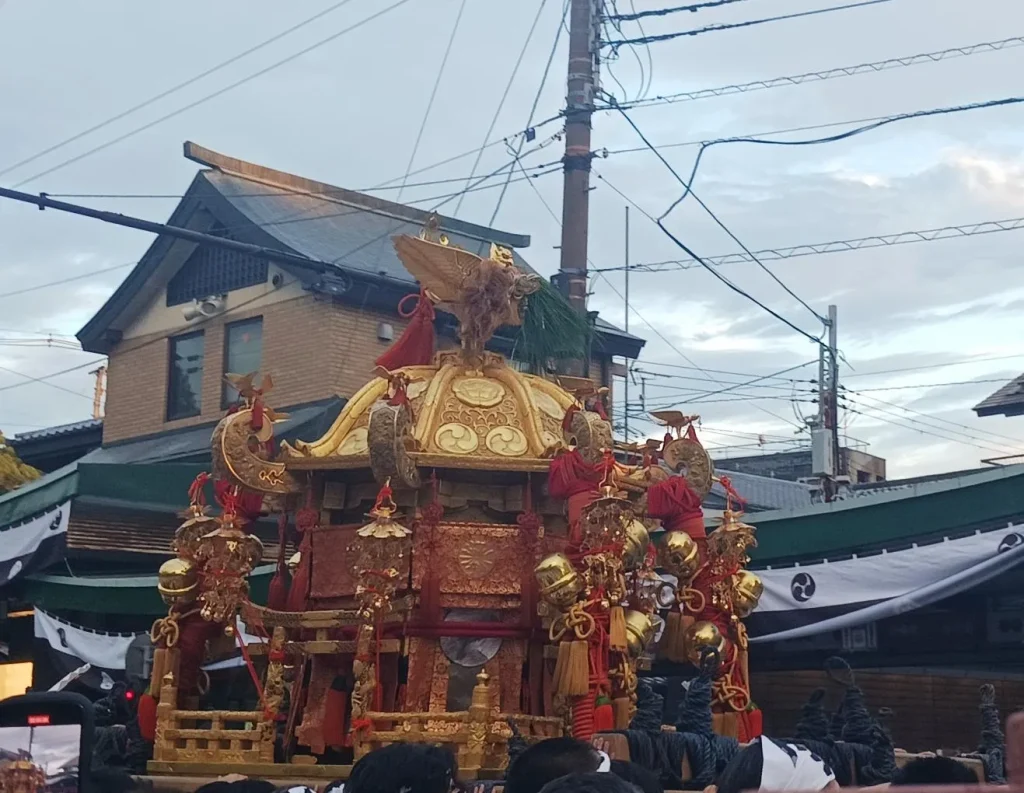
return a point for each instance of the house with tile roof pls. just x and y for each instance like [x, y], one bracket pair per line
[1007, 401]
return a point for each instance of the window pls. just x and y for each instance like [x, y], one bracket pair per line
[185, 380]
[243, 349]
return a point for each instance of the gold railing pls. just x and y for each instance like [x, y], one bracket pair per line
[478, 736]
[209, 736]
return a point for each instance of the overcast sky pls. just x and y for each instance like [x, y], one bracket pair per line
[348, 113]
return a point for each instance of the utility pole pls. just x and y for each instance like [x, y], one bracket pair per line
[98, 391]
[584, 29]
[833, 392]
[825, 452]
[625, 387]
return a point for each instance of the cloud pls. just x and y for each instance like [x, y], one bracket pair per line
[348, 113]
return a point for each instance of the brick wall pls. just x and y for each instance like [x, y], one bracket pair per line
[314, 349]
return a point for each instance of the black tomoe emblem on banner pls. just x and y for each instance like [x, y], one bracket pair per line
[802, 587]
[63, 639]
[55, 523]
[1010, 541]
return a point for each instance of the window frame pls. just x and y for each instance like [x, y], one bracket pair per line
[225, 403]
[172, 342]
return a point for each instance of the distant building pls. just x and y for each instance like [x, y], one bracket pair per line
[1007, 401]
[794, 466]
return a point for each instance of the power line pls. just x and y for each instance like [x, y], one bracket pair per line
[694, 257]
[940, 111]
[533, 109]
[733, 25]
[976, 432]
[504, 96]
[835, 246]
[750, 382]
[433, 95]
[46, 377]
[962, 362]
[67, 280]
[214, 95]
[660, 12]
[929, 385]
[927, 429]
[175, 88]
[830, 74]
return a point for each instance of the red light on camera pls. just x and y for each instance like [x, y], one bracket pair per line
[39, 720]
[129, 695]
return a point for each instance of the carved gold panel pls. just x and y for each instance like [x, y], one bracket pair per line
[507, 442]
[472, 558]
[332, 575]
[456, 438]
[478, 392]
[547, 404]
[355, 442]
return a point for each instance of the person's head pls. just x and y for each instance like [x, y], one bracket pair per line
[637, 775]
[406, 767]
[113, 780]
[772, 765]
[934, 771]
[591, 782]
[548, 760]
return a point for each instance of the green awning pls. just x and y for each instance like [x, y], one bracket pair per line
[36, 497]
[115, 594]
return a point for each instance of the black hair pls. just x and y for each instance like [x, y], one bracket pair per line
[252, 786]
[637, 775]
[743, 772]
[412, 767]
[113, 780]
[546, 761]
[935, 771]
[217, 786]
[591, 782]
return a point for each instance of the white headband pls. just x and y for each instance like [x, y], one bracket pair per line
[606, 762]
[789, 766]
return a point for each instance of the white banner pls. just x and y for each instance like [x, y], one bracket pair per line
[33, 544]
[103, 650]
[804, 600]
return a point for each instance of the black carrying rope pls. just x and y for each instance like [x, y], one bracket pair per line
[650, 705]
[813, 724]
[992, 749]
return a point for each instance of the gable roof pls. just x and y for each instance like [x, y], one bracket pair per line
[1007, 401]
[349, 232]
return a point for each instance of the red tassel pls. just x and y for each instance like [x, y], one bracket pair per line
[430, 594]
[277, 595]
[604, 716]
[147, 717]
[415, 347]
[335, 715]
[298, 593]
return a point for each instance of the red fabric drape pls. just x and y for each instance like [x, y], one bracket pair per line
[194, 633]
[306, 520]
[570, 474]
[751, 723]
[677, 505]
[277, 594]
[147, 717]
[415, 347]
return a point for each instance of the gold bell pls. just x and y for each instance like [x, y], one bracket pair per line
[635, 547]
[746, 593]
[558, 580]
[680, 556]
[177, 581]
[701, 635]
[639, 632]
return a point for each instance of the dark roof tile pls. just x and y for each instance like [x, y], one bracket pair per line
[1007, 401]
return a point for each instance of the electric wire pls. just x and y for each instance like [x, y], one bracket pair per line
[660, 12]
[940, 111]
[533, 109]
[737, 289]
[834, 246]
[433, 96]
[175, 88]
[734, 25]
[961, 362]
[504, 96]
[749, 382]
[43, 379]
[873, 67]
[213, 95]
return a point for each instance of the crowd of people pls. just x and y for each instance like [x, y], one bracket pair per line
[568, 765]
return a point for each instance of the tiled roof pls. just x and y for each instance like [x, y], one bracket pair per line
[352, 230]
[765, 492]
[61, 429]
[1007, 401]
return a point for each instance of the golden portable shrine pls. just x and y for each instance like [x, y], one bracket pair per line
[474, 559]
